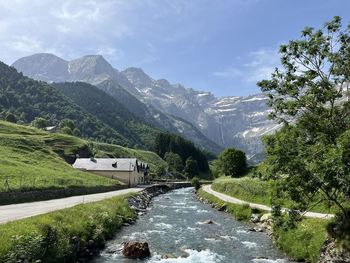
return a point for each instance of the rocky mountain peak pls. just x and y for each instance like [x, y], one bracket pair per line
[43, 66]
[91, 66]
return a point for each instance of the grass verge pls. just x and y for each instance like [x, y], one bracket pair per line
[239, 212]
[257, 191]
[64, 235]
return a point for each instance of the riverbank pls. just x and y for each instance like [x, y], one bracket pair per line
[302, 243]
[71, 234]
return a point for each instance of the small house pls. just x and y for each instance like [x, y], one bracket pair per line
[127, 170]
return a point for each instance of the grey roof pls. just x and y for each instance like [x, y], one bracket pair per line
[106, 164]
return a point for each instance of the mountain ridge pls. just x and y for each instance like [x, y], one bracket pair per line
[227, 121]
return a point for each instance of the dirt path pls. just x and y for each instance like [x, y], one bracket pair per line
[14, 212]
[230, 199]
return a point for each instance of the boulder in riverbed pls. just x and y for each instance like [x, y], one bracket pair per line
[255, 218]
[207, 222]
[134, 250]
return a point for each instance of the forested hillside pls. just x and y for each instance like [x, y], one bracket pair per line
[25, 99]
[166, 142]
[110, 111]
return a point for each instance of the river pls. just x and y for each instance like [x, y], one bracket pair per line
[172, 226]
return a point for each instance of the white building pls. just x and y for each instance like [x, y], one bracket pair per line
[127, 170]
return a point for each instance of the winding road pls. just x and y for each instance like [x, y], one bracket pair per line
[14, 212]
[233, 200]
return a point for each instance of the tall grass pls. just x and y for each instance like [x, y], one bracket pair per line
[63, 235]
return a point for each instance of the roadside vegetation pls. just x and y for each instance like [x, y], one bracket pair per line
[239, 212]
[259, 191]
[65, 235]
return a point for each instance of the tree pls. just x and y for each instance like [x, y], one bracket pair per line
[191, 167]
[174, 162]
[10, 117]
[67, 123]
[39, 123]
[232, 162]
[66, 130]
[310, 156]
[77, 133]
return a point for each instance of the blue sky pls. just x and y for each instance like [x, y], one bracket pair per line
[222, 46]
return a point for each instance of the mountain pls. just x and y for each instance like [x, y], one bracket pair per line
[26, 99]
[227, 121]
[110, 111]
[94, 69]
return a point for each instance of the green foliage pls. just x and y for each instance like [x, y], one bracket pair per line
[27, 99]
[11, 117]
[66, 123]
[262, 192]
[111, 112]
[60, 236]
[310, 157]
[304, 242]
[174, 161]
[339, 228]
[66, 130]
[195, 183]
[232, 162]
[39, 123]
[166, 142]
[191, 168]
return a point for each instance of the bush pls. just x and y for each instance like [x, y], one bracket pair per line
[195, 183]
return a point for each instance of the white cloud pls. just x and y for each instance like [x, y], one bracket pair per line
[72, 28]
[259, 65]
[231, 72]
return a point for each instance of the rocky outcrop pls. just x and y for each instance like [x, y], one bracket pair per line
[136, 250]
[331, 253]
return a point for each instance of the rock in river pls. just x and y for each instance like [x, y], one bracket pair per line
[134, 250]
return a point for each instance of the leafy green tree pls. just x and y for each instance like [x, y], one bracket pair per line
[232, 162]
[77, 133]
[158, 171]
[39, 123]
[191, 167]
[67, 123]
[10, 117]
[174, 162]
[66, 130]
[311, 156]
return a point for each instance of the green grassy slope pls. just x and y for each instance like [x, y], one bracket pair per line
[34, 159]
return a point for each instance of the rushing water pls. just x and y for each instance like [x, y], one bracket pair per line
[172, 227]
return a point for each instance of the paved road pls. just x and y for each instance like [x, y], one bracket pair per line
[14, 212]
[234, 200]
